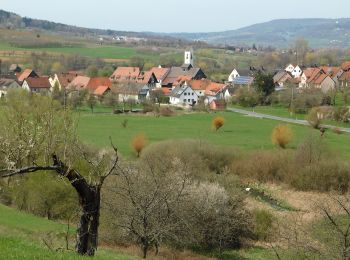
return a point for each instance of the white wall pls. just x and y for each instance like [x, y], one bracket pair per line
[234, 74]
[297, 72]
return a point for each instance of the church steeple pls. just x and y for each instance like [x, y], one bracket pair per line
[188, 58]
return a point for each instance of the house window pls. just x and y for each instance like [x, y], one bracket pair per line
[184, 100]
[185, 94]
[192, 93]
[189, 100]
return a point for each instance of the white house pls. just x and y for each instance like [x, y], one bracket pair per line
[290, 68]
[297, 72]
[37, 85]
[183, 95]
[7, 84]
[234, 74]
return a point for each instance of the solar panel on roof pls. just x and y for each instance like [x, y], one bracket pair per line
[243, 80]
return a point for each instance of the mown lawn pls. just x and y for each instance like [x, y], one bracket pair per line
[239, 131]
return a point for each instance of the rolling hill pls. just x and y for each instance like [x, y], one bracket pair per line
[321, 33]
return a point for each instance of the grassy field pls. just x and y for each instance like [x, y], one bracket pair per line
[21, 237]
[283, 112]
[239, 131]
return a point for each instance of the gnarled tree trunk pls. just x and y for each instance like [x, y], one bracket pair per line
[89, 196]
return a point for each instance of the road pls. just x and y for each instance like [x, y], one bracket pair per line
[283, 119]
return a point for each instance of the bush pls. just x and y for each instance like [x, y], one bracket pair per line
[246, 98]
[327, 175]
[263, 224]
[138, 143]
[313, 119]
[282, 135]
[166, 111]
[215, 219]
[341, 114]
[264, 166]
[148, 107]
[205, 159]
[218, 122]
[306, 100]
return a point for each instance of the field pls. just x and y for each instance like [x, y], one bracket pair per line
[239, 131]
[21, 237]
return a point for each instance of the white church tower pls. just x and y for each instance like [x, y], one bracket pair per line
[188, 58]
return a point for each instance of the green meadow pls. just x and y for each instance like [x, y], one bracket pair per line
[22, 237]
[239, 131]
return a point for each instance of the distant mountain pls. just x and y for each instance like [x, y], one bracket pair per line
[14, 21]
[321, 33]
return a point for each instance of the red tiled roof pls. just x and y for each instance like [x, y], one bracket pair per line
[94, 83]
[166, 91]
[330, 71]
[25, 74]
[126, 73]
[345, 66]
[145, 77]
[345, 76]
[79, 82]
[160, 73]
[99, 91]
[65, 79]
[40, 82]
[320, 79]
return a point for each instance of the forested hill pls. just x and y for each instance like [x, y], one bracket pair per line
[320, 33]
[14, 21]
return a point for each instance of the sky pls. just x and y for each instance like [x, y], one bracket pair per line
[174, 15]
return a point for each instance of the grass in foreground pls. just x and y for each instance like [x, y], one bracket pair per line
[21, 237]
[239, 131]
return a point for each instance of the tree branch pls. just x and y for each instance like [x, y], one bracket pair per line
[30, 169]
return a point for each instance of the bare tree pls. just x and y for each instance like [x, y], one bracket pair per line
[150, 198]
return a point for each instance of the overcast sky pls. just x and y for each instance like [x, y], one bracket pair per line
[174, 15]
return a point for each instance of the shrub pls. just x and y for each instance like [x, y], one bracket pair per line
[306, 100]
[311, 151]
[282, 135]
[246, 98]
[166, 111]
[341, 114]
[264, 166]
[313, 119]
[337, 131]
[263, 224]
[327, 175]
[125, 123]
[218, 122]
[138, 143]
[148, 107]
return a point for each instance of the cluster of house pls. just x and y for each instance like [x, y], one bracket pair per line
[185, 85]
[325, 78]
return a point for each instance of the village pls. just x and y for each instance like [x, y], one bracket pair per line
[184, 86]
